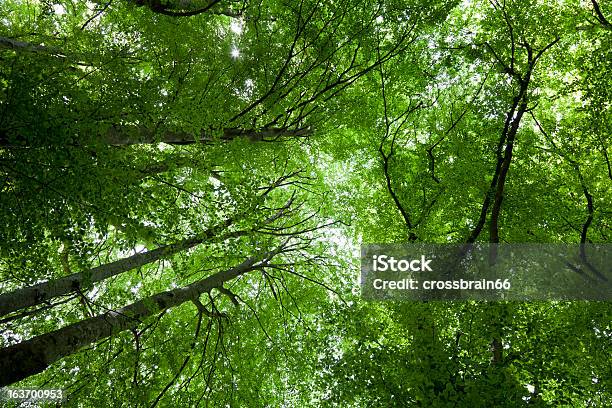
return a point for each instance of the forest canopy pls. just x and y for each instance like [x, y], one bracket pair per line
[185, 186]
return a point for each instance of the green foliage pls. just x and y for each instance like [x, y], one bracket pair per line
[405, 104]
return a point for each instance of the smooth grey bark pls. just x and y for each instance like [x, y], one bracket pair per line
[33, 356]
[17, 45]
[41, 292]
[32, 295]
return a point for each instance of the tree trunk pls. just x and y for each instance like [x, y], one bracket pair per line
[131, 135]
[42, 292]
[510, 138]
[33, 356]
[32, 295]
[184, 8]
[123, 135]
[17, 45]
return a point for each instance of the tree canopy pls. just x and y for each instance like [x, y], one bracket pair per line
[185, 185]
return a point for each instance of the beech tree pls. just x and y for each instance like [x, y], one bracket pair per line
[462, 155]
[184, 186]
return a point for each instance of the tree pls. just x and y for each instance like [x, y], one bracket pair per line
[185, 184]
[83, 116]
[454, 138]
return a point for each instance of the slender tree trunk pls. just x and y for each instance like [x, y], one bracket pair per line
[507, 159]
[600, 16]
[185, 8]
[32, 295]
[35, 355]
[131, 135]
[39, 293]
[504, 159]
[121, 135]
[508, 137]
[17, 45]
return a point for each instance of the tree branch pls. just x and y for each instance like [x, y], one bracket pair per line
[166, 8]
[599, 15]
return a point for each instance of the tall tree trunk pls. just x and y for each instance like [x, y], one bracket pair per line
[185, 8]
[130, 135]
[32, 295]
[35, 355]
[510, 137]
[124, 135]
[17, 45]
